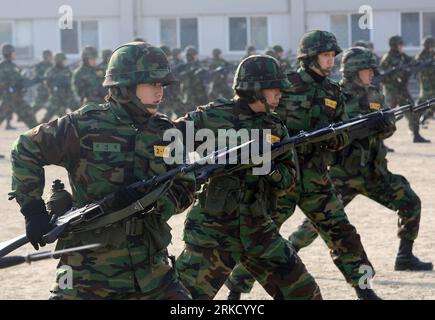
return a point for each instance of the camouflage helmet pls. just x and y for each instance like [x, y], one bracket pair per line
[250, 49]
[428, 42]
[7, 49]
[89, 52]
[278, 49]
[314, 42]
[260, 72]
[135, 63]
[105, 54]
[357, 58]
[270, 52]
[395, 41]
[216, 52]
[59, 57]
[176, 52]
[166, 50]
[190, 52]
[360, 43]
[46, 54]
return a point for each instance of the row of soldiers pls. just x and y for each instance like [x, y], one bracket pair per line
[57, 86]
[232, 232]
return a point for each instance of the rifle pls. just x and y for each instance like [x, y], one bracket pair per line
[359, 127]
[411, 67]
[77, 219]
[7, 262]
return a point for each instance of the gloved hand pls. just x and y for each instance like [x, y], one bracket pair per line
[387, 122]
[37, 222]
[337, 143]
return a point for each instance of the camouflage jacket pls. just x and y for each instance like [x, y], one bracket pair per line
[192, 84]
[233, 210]
[87, 84]
[40, 70]
[11, 80]
[426, 77]
[58, 81]
[103, 148]
[363, 155]
[311, 105]
[397, 81]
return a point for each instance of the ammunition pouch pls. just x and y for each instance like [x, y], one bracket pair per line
[221, 195]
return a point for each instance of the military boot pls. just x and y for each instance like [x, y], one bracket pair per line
[366, 294]
[9, 127]
[406, 260]
[234, 295]
[419, 139]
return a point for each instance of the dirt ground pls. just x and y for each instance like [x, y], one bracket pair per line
[376, 225]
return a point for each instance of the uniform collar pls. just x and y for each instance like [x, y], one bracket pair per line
[307, 77]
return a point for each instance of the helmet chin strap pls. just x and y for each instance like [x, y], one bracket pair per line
[260, 97]
[315, 63]
[138, 103]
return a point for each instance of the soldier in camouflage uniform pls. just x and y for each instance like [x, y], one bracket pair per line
[250, 51]
[279, 54]
[12, 89]
[230, 223]
[105, 148]
[40, 69]
[396, 85]
[87, 79]
[219, 69]
[192, 77]
[314, 101]
[361, 168]
[426, 77]
[58, 83]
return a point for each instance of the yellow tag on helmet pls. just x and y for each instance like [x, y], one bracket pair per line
[330, 103]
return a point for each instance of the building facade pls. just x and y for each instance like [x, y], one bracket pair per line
[230, 25]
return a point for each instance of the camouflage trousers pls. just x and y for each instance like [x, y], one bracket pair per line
[403, 97]
[41, 100]
[325, 210]
[390, 190]
[21, 108]
[278, 269]
[111, 273]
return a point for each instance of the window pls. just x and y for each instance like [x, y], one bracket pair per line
[357, 32]
[83, 33]
[339, 27]
[168, 32]
[19, 34]
[428, 24]
[346, 29]
[244, 31]
[179, 32]
[411, 29]
[238, 34]
[5, 32]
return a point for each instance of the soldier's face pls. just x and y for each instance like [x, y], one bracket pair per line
[92, 62]
[366, 76]
[326, 62]
[272, 97]
[150, 94]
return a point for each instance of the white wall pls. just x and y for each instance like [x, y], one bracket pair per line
[385, 25]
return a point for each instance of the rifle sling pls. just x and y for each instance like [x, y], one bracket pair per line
[136, 207]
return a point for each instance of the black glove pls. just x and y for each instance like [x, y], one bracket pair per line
[37, 222]
[336, 143]
[386, 122]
